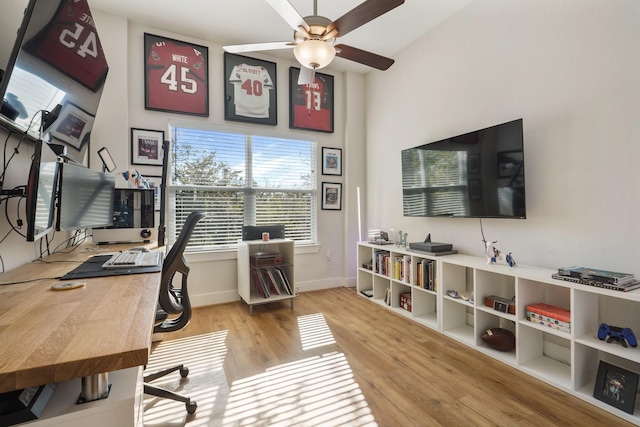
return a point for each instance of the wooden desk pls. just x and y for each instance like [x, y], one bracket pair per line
[51, 336]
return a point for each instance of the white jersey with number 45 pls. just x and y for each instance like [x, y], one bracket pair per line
[251, 85]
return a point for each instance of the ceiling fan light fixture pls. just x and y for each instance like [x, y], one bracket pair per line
[314, 54]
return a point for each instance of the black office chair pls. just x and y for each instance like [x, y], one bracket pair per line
[174, 301]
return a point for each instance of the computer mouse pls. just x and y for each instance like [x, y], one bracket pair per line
[140, 248]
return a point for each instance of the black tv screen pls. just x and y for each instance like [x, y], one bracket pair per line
[478, 174]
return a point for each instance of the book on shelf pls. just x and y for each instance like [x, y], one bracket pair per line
[624, 287]
[550, 311]
[596, 274]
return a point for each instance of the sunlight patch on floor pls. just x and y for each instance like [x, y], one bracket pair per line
[314, 331]
[206, 383]
[316, 391]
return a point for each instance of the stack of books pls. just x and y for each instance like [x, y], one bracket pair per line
[549, 315]
[622, 282]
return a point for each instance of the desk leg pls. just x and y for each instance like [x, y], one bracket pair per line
[94, 387]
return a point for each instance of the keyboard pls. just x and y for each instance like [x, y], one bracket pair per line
[124, 259]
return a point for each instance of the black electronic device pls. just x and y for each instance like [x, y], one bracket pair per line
[254, 232]
[617, 334]
[479, 174]
[49, 71]
[430, 246]
[133, 214]
[41, 192]
[86, 198]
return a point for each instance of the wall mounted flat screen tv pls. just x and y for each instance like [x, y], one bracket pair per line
[478, 174]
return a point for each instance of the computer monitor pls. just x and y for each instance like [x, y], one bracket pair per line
[86, 198]
[41, 192]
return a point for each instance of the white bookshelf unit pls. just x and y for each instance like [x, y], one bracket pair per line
[249, 248]
[566, 360]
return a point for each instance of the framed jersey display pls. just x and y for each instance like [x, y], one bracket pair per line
[70, 43]
[250, 90]
[176, 76]
[311, 105]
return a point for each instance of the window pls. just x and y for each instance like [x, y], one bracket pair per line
[240, 179]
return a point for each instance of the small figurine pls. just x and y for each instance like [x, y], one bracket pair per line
[491, 252]
[510, 260]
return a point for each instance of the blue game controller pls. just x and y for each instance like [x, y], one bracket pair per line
[621, 335]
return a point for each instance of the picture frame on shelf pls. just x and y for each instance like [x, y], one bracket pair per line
[311, 105]
[147, 147]
[250, 91]
[176, 85]
[331, 161]
[331, 196]
[616, 386]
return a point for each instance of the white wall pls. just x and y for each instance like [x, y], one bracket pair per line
[213, 275]
[570, 70]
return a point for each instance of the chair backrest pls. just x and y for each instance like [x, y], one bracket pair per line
[176, 300]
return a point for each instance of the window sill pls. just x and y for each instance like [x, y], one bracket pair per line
[231, 254]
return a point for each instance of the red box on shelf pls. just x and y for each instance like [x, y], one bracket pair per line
[405, 301]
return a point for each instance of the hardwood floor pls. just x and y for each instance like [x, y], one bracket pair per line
[408, 374]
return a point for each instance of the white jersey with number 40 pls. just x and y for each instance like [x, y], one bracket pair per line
[251, 85]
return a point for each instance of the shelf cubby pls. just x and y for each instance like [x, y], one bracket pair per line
[566, 360]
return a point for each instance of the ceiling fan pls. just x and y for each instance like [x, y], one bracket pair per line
[314, 36]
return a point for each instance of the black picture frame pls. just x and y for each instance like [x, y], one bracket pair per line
[475, 189]
[331, 161]
[176, 76]
[616, 386]
[331, 196]
[311, 105]
[147, 147]
[250, 90]
[473, 164]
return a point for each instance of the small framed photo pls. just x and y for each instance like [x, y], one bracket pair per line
[331, 196]
[616, 386]
[154, 183]
[475, 189]
[331, 161]
[311, 105]
[473, 164]
[146, 147]
[250, 93]
[176, 76]
[72, 125]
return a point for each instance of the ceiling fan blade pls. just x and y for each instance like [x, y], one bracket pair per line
[361, 14]
[363, 57]
[306, 75]
[289, 14]
[253, 47]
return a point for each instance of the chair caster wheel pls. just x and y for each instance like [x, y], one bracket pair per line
[184, 372]
[191, 407]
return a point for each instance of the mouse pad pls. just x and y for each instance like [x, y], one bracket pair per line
[93, 268]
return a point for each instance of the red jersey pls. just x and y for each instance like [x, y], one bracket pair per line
[70, 43]
[176, 76]
[312, 106]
